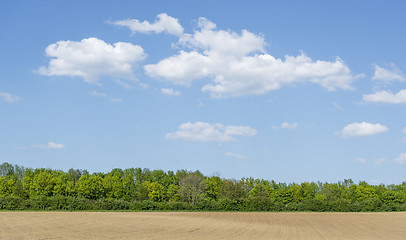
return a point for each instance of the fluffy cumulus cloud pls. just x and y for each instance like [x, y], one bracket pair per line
[385, 97]
[8, 98]
[50, 145]
[169, 92]
[92, 58]
[206, 132]
[362, 129]
[401, 159]
[163, 23]
[387, 75]
[237, 65]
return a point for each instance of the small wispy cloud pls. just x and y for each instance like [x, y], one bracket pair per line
[380, 161]
[286, 125]
[206, 132]
[143, 85]
[201, 104]
[337, 106]
[97, 94]
[235, 155]
[388, 74]
[8, 98]
[104, 95]
[50, 145]
[116, 100]
[163, 23]
[20, 148]
[361, 160]
[169, 92]
[125, 84]
[401, 159]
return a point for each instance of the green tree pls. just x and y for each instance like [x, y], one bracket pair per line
[232, 189]
[113, 186]
[155, 191]
[42, 184]
[6, 186]
[212, 190]
[90, 186]
[6, 169]
[59, 187]
[172, 192]
[192, 187]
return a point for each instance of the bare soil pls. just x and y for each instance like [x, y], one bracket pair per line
[201, 225]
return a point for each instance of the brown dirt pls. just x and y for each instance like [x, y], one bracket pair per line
[201, 225]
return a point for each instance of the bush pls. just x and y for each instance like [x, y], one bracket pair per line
[341, 205]
[227, 204]
[12, 203]
[173, 205]
[258, 204]
[112, 204]
[315, 205]
[371, 205]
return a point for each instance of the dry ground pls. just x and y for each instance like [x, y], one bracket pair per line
[201, 225]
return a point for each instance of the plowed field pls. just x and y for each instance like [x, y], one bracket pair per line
[183, 225]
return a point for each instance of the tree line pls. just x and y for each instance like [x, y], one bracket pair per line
[137, 189]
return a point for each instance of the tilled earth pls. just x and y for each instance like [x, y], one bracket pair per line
[201, 225]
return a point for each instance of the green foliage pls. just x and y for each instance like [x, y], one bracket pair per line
[155, 191]
[212, 190]
[142, 189]
[90, 186]
[191, 188]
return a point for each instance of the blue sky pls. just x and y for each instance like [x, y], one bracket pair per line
[282, 90]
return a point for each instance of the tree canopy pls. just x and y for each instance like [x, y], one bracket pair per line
[143, 189]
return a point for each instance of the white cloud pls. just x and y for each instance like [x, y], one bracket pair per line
[163, 23]
[361, 160]
[92, 58]
[144, 85]
[97, 94]
[50, 145]
[20, 148]
[386, 97]
[9, 98]
[103, 95]
[206, 132]
[404, 130]
[379, 162]
[362, 129]
[116, 100]
[337, 106]
[169, 92]
[287, 125]
[201, 104]
[237, 65]
[401, 159]
[235, 155]
[125, 84]
[388, 75]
